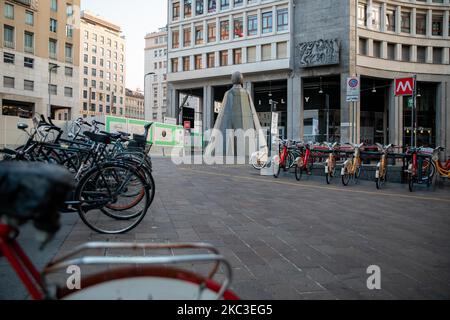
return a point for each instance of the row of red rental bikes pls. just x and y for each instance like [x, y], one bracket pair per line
[420, 166]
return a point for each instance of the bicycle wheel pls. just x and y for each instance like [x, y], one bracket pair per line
[298, 173]
[345, 177]
[411, 182]
[330, 175]
[108, 185]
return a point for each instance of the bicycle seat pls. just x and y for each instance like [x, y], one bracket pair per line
[34, 192]
[99, 138]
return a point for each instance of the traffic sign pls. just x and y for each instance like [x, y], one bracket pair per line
[404, 87]
[353, 89]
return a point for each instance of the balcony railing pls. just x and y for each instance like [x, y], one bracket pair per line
[9, 44]
[29, 49]
[69, 59]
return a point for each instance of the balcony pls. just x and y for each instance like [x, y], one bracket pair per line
[29, 49]
[32, 4]
[9, 44]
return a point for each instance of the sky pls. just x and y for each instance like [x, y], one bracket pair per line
[137, 18]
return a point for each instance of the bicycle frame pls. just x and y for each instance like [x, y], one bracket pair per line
[20, 262]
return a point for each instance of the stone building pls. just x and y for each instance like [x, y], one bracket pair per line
[134, 104]
[39, 48]
[103, 67]
[296, 56]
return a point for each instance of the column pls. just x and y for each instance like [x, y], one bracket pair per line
[429, 55]
[446, 23]
[395, 117]
[429, 23]
[413, 21]
[398, 51]
[369, 14]
[172, 102]
[217, 29]
[295, 108]
[383, 17]
[384, 53]
[398, 20]
[350, 115]
[208, 108]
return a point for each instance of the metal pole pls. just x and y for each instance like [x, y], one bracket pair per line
[415, 110]
[49, 110]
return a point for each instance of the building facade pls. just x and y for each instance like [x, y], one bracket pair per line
[39, 48]
[134, 104]
[102, 67]
[296, 57]
[156, 81]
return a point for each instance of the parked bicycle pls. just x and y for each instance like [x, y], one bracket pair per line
[420, 168]
[442, 168]
[351, 170]
[330, 164]
[114, 188]
[304, 162]
[382, 166]
[35, 194]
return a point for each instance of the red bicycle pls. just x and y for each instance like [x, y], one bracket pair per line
[281, 161]
[304, 163]
[37, 192]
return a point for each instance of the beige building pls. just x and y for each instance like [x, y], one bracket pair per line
[39, 48]
[102, 70]
[134, 104]
[156, 83]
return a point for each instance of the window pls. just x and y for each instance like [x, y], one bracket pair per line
[69, 31]
[223, 58]
[54, 5]
[437, 55]
[69, 53]
[52, 45]
[85, 71]
[94, 72]
[362, 46]
[212, 32]
[92, 109]
[28, 63]
[29, 42]
[211, 6]
[437, 25]
[8, 36]
[210, 60]
[174, 65]
[29, 18]
[238, 26]
[68, 92]
[252, 25]
[199, 7]
[406, 53]
[281, 50]
[86, 47]
[9, 58]
[237, 56]
[94, 60]
[53, 25]
[86, 35]
[53, 89]
[266, 52]
[421, 23]
[187, 8]
[9, 11]
[267, 22]
[175, 10]
[421, 54]
[251, 54]
[8, 82]
[391, 51]
[198, 61]
[186, 63]
[406, 22]
[390, 20]
[224, 30]
[68, 72]
[175, 39]
[376, 17]
[224, 4]
[93, 95]
[376, 49]
[238, 3]
[86, 58]
[69, 10]
[282, 20]
[94, 49]
[28, 85]
[199, 35]
[187, 37]
[362, 15]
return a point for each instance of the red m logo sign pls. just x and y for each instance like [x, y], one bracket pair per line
[404, 87]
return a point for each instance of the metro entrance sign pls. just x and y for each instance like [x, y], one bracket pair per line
[404, 87]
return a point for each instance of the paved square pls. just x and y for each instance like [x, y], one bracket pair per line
[300, 240]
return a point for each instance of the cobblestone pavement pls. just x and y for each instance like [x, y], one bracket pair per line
[300, 240]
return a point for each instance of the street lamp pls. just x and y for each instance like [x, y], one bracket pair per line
[50, 70]
[145, 91]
